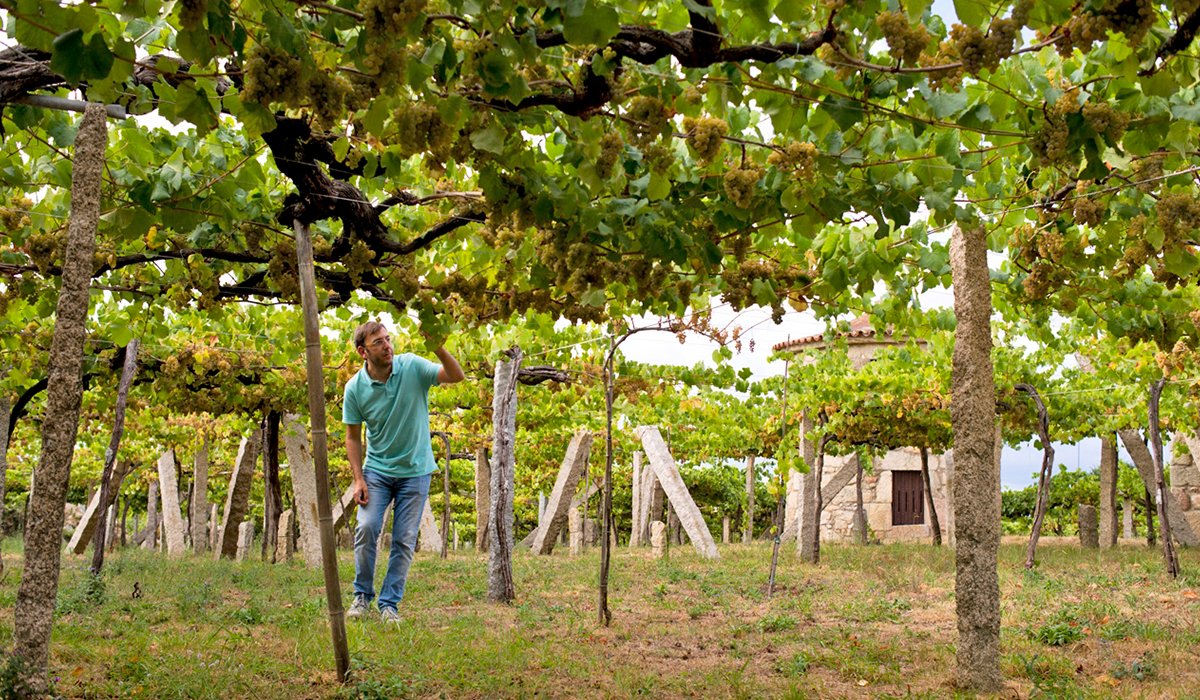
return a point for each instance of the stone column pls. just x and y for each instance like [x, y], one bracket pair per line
[748, 532]
[1181, 529]
[343, 508]
[808, 490]
[635, 508]
[214, 526]
[658, 538]
[244, 540]
[726, 522]
[150, 537]
[1089, 527]
[483, 478]
[304, 488]
[237, 500]
[172, 519]
[286, 545]
[1127, 517]
[1108, 493]
[575, 524]
[651, 494]
[574, 465]
[429, 538]
[668, 475]
[199, 506]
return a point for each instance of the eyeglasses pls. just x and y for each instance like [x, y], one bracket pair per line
[379, 342]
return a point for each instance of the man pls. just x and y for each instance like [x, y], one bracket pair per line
[390, 394]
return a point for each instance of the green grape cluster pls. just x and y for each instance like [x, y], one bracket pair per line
[1051, 245]
[693, 95]
[192, 13]
[358, 261]
[798, 156]
[647, 119]
[1105, 119]
[1052, 143]
[390, 18]
[384, 60]
[829, 56]
[1038, 283]
[283, 272]
[949, 78]
[974, 50]
[1133, 18]
[1178, 216]
[252, 234]
[14, 218]
[421, 128]
[611, 147]
[1137, 254]
[361, 90]
[272, 75]
[705, 136]
[43, 248]
[1087, 211]
[905, 42]
[1002, 36]
[740, 184]
[1020, 12]
[737, 284]
[327, 93]
[1147, 173]
[659, 156]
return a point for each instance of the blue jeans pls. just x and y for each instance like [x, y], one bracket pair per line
[408, 494]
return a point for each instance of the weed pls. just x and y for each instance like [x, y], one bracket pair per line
[1058, 634]
[375, 690]
[86, 594]
[248, 615]
[795, 666]
[777, 623]
[15, 676]
[1141, 669]
[1049, 684]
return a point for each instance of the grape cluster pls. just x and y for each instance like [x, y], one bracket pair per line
[737, 284]
[192, 13]
[659, 156]
[1087, 211]
[1178, 215]
[973, 48]
[905, 42]
[327, 96]
[358, 261]
[421, 128]
[647, 119]
[740, 184]
[1146, 173]
[611, 146]
[1136, 255]
[252, 234]
[705, 136]
[1051, 245]
[949, 78]
[1133, 18]
[43, 248]
[14, 218]
[390, 18]
[283, 272]
[1052, 143]
[798, 156]
[1106, 120]
[1042, 277]
[829, 56]
[272, 75]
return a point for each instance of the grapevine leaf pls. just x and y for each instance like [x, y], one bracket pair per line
[76, 61]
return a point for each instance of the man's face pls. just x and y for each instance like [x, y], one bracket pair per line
[377, 349]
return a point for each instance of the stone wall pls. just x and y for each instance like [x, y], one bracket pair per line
[838, 517]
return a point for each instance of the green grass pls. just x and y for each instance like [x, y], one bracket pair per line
[870, 622]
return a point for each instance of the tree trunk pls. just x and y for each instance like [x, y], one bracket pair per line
[813, 545]
[272, 491]
[5, 413]
[483, 499]
[504, 426]
[1043, 493]
[935, 527]
[1150, 508]
[976, 474]
[34, 609]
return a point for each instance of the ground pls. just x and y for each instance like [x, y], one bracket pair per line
[868, 622]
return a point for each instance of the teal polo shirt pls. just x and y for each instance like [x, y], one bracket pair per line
[396, 413]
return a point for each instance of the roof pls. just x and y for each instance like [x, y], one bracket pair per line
[860, 329]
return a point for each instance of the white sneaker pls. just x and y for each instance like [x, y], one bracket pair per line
[389, 615]
[358, 608]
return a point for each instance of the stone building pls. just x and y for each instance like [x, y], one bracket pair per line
[893, 491]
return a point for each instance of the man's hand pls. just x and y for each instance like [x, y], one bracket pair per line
[360, 492]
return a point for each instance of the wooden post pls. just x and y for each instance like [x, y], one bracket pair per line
[316, 408]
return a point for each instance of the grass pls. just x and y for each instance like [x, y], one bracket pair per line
[869, 622]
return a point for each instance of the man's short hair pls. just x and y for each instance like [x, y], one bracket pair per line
[364, 331]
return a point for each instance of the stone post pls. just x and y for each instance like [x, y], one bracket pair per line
[150, 538]
[214, 527]
[1089, 527]
[244, 540]
[500, 588]
[1127, 517]
[726, 522]
[1108, 493]
[808, 491]
[483, 478]
[304, 487]
[658, 538]
[748, 533]
[87, 524]
[199, 506]
[237, 500]
[668, 475]
[635, 507]
[429, 538]
[172, 519]
[575, 524]
[286, 545]
[554, 516]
